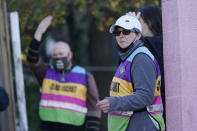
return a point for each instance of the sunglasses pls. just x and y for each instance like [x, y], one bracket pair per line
[124, 32]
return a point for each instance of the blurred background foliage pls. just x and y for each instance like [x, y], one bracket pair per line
[73, 14]
[86, 24]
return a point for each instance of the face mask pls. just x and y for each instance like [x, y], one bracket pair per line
[60, 64]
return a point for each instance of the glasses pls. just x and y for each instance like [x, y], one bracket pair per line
[124, 32]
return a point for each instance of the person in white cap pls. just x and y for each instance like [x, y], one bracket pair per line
[135, 99]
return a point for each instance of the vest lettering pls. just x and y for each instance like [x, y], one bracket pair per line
[115, 86]
[58, 87]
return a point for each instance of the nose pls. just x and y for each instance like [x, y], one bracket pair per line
[121, 34]
[58, 56]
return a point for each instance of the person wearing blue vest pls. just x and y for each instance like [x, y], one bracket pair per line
[150, 18]
[135, 102]
[69, 92]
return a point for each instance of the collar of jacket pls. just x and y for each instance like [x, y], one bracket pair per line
[125, 54]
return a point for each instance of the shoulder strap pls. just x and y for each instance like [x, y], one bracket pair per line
[79, 69]
[141, 49]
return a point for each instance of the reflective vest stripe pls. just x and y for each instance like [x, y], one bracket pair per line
[155, 108]
[63, 105]
[122, 113]
[61, 98]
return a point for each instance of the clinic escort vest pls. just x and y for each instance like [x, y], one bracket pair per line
[63, 98]
[122, 85]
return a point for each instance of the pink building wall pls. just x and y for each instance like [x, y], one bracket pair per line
[180, 62]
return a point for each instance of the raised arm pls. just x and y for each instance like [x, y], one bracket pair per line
[37, 66]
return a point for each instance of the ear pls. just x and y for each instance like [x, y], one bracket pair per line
[139, 35]
[70, 55]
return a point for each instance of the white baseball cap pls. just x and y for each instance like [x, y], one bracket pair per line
[127, 22]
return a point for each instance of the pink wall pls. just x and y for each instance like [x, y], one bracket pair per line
[180, 62]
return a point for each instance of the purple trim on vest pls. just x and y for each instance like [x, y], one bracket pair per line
[157, 100]
[61, 98]
[68, 77]
[157, 67]
[158, 112]
[126, 74]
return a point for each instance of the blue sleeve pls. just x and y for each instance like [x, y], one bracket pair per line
[4, 100]
[143, 74]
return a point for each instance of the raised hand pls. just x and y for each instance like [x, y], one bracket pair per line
[42, 27]
[134, 14]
